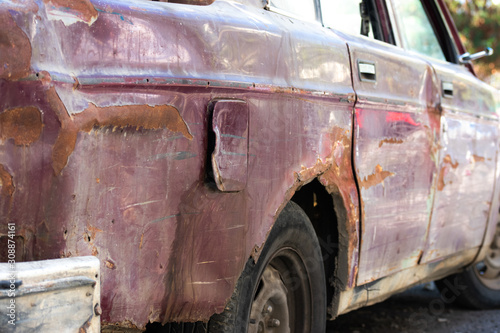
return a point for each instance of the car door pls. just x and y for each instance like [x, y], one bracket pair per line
[468, 134]
[395, 134]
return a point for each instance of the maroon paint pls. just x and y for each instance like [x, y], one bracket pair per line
[100, 179]
[171, 246]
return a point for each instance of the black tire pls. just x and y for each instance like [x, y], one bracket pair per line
[292, 251]
[477, 287]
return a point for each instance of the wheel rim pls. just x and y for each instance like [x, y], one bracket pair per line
[488, 271]
[282, 299]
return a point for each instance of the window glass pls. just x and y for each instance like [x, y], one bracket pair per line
[304, 9]
[343, 15]
[416, 29]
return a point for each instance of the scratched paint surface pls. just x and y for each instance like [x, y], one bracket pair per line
[467, 160]
[113, 99]
[114, 165]
[395, 137]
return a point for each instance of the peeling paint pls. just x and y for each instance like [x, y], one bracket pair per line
[6, 182]
[447, 163]
[109, 264]
[477, 159]
[256, 251]
[70, 12]
[24, 125]
[376, 178]
[15, 50]
[138, 116]
[93, 231]
[447, 160]
[339, 182]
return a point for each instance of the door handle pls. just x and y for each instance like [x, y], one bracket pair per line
[367, 71]
[447, 89]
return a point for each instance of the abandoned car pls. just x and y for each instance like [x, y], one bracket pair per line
[239, 165]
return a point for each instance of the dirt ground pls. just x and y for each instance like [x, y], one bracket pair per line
[416, 310]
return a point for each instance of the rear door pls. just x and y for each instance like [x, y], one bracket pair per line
[469, 131]
[396, 134]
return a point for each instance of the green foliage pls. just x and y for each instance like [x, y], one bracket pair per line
[478, 22]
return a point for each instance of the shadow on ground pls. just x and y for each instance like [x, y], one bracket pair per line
[420, 309]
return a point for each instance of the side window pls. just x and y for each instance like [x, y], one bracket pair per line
[355, 17]
[304, 9]
[417, 33]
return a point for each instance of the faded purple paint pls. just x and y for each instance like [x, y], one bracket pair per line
[103, 179]
[467, 159]
[230, 154]
[135, 196]
[395, 135]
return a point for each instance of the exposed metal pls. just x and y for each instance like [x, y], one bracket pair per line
[488, 270]
[381, 289]
[119, 165]
[467, 57]
[51, 295]
[106, 109]
[270, 309]
[230, 155]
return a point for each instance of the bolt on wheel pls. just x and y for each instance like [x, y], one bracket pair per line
[488, 271]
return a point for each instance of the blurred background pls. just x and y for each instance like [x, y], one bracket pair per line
[478, 22]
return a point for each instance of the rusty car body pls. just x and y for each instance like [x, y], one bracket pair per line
[165, 139]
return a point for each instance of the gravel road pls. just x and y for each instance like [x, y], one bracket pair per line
[416, 310]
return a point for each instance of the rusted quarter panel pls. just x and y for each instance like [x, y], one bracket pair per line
[104, 121]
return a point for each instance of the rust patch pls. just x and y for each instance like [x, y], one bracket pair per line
[15, 49]
[138, 116]
[447, 160]
[390, 141]
[477, 159]
[351, 98]
[141, 243]
[339, 182]
[24, 125]
[45, 78]
[376, 178]
[256, 251]
[441, 184]
[83, 9]
[84, 328]
[6, 182]
[93, 231]
[447, 163]
[109, 264]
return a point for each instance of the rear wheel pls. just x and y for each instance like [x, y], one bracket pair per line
[285, 290]
[479, 284]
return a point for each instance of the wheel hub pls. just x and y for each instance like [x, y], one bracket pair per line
[269, 313]
[488, 270]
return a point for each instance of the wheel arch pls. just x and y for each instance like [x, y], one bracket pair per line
[333, 211]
